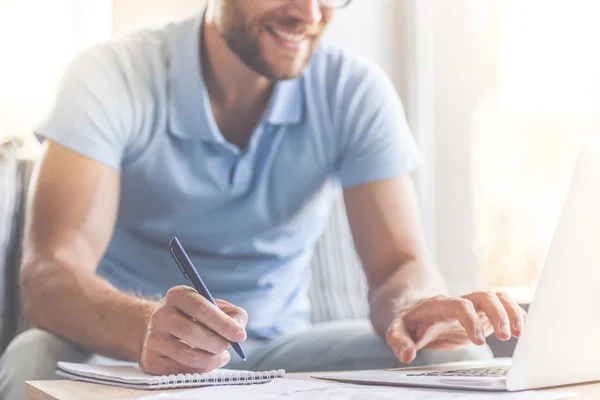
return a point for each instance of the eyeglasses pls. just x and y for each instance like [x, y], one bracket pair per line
[334, 3]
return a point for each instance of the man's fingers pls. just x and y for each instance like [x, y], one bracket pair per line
[433, 322]
[491, 305]
[447, 310]
[399, 340]
[516, 314]
[192, 304]
[166, 355]
[425, 318]
[235, 312]
[193, 333]
[191, 358]
[427, 336]
[464, 311]
[162, 365]
[408, 355]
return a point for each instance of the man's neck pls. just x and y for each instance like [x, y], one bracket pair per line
[230, 82]
[238, 95]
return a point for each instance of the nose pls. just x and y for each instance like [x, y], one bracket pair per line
[308, 11]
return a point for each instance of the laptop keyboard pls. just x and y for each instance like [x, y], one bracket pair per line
[477, 372]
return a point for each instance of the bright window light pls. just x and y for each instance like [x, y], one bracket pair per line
[528, 129]
[38, 38]
[549, 57]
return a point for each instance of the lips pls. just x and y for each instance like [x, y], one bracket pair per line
[287, 39]
[294, 37]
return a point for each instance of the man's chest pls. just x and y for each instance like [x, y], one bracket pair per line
[284, 177]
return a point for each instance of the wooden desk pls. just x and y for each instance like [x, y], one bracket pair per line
[70, 390]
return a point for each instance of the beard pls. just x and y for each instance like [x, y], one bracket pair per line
[243, 34]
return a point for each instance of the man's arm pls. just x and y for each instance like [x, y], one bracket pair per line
[406, 292]
[385, 221]
[70, 219]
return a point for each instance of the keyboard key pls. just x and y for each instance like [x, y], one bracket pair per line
[475, 372]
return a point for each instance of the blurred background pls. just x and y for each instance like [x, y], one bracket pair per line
[499, 94]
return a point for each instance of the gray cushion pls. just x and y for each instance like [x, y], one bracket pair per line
[21, 322]
[338, 289]
[10, 199]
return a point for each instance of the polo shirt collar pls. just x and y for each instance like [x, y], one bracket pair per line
[287, 102]
[190, 112]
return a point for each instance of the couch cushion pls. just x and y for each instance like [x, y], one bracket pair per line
[338, 289]
[10, 199]
[21, 322]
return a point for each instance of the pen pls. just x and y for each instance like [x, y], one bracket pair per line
[191, 274]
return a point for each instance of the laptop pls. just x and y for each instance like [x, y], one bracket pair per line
[560, 342]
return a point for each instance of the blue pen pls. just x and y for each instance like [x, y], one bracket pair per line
[189, 272]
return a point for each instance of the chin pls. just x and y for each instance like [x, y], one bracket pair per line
[288, 69]
[287, 74]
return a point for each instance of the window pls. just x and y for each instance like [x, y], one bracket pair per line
[37, 38]
[540, 103]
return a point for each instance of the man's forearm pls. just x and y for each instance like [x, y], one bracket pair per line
[408, 284]
[86, 310]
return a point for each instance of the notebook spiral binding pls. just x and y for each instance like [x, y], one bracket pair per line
[221, 378]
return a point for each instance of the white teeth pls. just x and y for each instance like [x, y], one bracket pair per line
[294, 37]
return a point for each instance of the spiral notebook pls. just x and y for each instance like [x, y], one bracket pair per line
[132, 377]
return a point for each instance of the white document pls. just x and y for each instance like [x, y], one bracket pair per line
[295, 389]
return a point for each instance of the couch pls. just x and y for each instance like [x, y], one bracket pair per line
[338, 287]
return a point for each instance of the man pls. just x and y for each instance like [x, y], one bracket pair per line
[231, 131]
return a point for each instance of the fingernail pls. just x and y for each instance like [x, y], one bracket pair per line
[405, 354]
[227, 357]
[402, 354]
[504, 328]
[519, 326]
[480, 335]
[240, 336]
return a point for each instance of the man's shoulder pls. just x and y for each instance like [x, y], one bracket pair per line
[137, 58]
[343, 79]
[340, 65]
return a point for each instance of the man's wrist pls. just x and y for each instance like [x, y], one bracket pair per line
[413, 282]
[409, 301]
[143, 314]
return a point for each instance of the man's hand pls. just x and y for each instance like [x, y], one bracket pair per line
[445, 323]
[188, 334]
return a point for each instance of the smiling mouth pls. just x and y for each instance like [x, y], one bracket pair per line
[291, 41]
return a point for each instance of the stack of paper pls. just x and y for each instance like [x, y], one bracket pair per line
[294, 389]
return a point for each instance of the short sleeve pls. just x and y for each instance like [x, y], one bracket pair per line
[91, 110]
[376, 141]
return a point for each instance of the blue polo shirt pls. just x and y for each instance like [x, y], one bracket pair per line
[248, 219]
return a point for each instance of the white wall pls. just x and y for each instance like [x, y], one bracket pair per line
[130, 15]
[376, 30]
[453, 70]
[451, 53]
